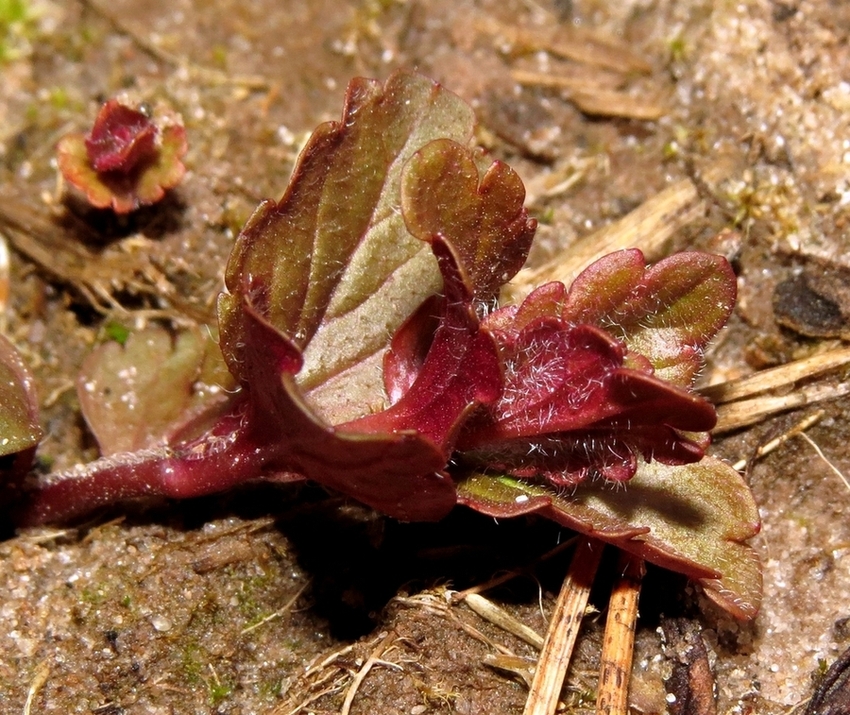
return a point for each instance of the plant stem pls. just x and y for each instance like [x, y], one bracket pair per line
[563, 629]
[618, 645]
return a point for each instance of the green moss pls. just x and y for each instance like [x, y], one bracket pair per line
[546, 216]
[219, 57]
[17, 25]
[678, 49]
[191, 663]
[116, 331]
[271, 689]
[219, 690]
[94, 595]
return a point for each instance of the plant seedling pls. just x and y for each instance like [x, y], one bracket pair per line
[361, 327]
[129, 158]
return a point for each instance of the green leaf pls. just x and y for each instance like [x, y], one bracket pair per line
[142, 393]
[19, 427]
[693, 519]
[332, 265]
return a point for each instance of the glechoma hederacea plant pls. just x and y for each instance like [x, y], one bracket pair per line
[361, 329]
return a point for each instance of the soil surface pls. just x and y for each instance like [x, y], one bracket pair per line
[271, 600]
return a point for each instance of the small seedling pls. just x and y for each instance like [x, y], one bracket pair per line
[129, 159]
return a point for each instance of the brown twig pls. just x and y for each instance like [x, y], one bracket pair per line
[563, 629]
[618, 646]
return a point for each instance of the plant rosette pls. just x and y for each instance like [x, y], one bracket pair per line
[131, 156]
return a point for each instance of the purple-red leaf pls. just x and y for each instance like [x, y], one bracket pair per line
[128, 159]
[570, 408]
[120, 139]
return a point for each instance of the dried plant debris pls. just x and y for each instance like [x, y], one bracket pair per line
[815, 303]
[690, 687]
[832, 695]
[371, 355]
[135, 265]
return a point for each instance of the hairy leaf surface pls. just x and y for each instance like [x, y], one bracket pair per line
[666, 313]
[332, 265]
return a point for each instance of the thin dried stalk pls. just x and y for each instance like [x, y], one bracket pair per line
[611, 103]
[489, 611]
[42, 672]
[571, 43]
[618, 646]
[776, 377]
[748, 412]
[649, 227]
[521, 667]
[373, 658]
[835, 470]
[777, 442]
[596, 101]
[563, 630]
[583, 79]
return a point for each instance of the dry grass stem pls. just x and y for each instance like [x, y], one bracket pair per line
[523, 668]
[776, 377]
[373, 658]
[777, 442]
[42, 672]
[618, 645]
[436, 605]
[334, 687]
[571, 43]
[747, 412]
[815, 446]
[583, 80]
[594, 100]
[649, 227]
[328, 660]
[610, 103]
[489, 611]
[563, 630]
